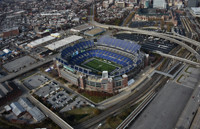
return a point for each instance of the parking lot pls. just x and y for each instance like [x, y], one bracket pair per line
[35, 81]
[47, 90]
[136, 24]
[190, 77]
[59, 98]
[77, 103]
[19, 64]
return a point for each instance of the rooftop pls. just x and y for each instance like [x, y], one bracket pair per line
[36, 114]
[63, 42]
[4, 89]
[17, 108]
[94, 31]
[41, 41]
[82, 27]
[25, 103]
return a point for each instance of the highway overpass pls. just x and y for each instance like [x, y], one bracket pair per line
[156, 34]
[178, 58]
[172, 38]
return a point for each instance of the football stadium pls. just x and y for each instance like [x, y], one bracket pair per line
[107, 64]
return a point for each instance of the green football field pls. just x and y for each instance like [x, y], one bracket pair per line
[100, 66]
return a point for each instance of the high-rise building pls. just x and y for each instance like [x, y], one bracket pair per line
[160, 4]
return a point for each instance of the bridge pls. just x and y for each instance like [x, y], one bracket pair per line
[156, 34]
[178, 58]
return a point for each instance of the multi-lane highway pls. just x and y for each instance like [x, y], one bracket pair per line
[178, 58]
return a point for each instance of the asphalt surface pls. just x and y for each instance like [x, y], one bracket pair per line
[164, 111]
[190, 109]
[196, 123]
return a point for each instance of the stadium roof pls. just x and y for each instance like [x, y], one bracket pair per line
[40, 41]
[63, 42]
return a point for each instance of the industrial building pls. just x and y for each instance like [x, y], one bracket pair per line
[94, 32]
[195, 11]
[24, 105]
[64, 42]
[160, 4]
[81, 28]
[9, 91]
[41, 41]
[4, 90]
[17, 109]
[36, 114]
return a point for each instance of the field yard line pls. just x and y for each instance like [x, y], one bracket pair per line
[91, 68]
[106, 62]
[91, 59]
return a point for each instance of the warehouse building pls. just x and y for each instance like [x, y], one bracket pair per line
[64, 42]
[81, 28]
[195, 11]
[25, 103]
[17, 109]
[94, 32]
[36, 114]
[4, 90]
[40, 41]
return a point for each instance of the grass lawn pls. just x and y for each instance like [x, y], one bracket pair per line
[112, 122]
[100, 66]
[84, 110]
[78, 115]
[47, 123]
[95, 99]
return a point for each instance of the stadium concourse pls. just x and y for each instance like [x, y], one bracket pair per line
[106, 65]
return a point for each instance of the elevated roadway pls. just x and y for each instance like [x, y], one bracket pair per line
[178, 58]
[156, 34]
[171, 38]
[60, 122]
